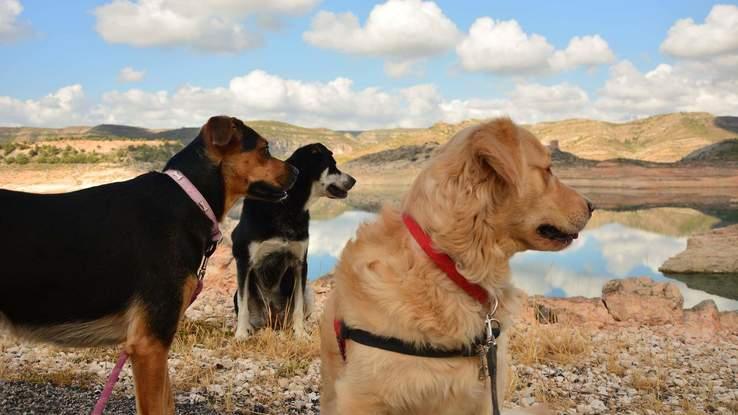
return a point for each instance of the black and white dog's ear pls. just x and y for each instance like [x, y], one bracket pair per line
[317, 148]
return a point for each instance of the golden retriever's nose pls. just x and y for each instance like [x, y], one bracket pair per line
[590, 206]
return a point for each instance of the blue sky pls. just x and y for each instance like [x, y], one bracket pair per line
[308, 62]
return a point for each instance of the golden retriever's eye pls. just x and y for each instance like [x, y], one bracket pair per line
[548, 170]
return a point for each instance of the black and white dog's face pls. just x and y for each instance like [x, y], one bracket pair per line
[317, 166]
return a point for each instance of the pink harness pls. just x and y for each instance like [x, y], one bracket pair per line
[215, 237]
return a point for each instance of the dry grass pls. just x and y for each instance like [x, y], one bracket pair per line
[266, 344]
[33, 374]
[538, 343]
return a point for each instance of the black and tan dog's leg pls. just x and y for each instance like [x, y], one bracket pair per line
[150, 371]
[149, 353]
[244, 329]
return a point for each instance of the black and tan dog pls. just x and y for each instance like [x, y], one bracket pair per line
[270, 246]
[116, 263]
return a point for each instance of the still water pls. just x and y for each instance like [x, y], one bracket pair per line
[609, 249]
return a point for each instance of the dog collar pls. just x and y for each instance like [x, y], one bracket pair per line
[199, 200]
[444, 262]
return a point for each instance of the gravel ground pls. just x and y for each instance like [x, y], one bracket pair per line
[24, 398]
[575, 370]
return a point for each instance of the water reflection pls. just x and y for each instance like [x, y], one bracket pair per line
[609, 251]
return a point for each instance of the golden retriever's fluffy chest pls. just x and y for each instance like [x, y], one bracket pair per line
[413, 385]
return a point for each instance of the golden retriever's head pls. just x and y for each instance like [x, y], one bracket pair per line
[490, 192]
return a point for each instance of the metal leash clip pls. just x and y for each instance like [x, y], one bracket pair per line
[490, 324]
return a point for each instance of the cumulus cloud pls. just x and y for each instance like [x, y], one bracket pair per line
[628, 93]
[261, 95]
[504, 47]
[64, 107]
[582, 51]
[401, 31]
[527, 102]
[10, 28]
[128, 74]
[717, 36]
[258, 94]
[207, 25]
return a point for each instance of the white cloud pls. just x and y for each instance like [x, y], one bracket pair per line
[628, 93]
[128, 74]
[62, 108]
[717, 36]
[527, 102]
[336, 104]
[208, 25]
[402, 31]
[261, 95]
[504, 47]
[582, 51]
[10, 28]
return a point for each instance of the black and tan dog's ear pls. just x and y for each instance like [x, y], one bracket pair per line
[497, 146]
[220, 130]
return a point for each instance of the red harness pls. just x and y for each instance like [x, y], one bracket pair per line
[442, 261]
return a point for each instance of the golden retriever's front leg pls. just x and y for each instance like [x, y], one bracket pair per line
[353, 399]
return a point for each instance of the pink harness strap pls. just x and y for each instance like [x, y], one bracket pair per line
[215, 236]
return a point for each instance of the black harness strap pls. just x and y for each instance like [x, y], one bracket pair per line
[396, 345]
[393, 344]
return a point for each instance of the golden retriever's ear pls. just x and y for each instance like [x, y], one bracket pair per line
[497, 147]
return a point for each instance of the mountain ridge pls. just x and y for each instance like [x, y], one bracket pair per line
[659, 138]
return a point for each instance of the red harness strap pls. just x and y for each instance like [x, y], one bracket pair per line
[338, 329]
[444, 262]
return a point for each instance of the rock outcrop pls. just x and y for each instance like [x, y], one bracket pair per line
[637, 301]
[643, 300]
[712, 252]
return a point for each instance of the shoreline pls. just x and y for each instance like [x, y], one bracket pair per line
[586, 361]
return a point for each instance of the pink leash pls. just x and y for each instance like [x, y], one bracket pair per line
[196, 197]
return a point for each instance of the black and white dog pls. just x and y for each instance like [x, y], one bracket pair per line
[270, 246]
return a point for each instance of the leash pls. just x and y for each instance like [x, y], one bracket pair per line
[484, 346]
[215, 237]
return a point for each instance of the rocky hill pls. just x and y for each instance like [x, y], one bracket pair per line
[726, 150]
[661, 138]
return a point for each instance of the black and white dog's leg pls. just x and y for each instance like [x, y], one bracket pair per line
[298, 306]
[244, 329]
[307, 289]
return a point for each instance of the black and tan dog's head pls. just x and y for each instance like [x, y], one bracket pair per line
[318, 167]
[247, 166]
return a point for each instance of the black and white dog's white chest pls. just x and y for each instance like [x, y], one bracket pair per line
[259, 250]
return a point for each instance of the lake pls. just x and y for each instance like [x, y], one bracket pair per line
[616, 244]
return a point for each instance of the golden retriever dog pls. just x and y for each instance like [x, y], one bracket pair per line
[488, 194]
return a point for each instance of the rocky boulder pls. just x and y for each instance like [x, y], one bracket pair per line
[644, 300]
[712, 252]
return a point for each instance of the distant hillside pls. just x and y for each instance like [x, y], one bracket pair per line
[661, 138]
[284, 138]
[726, 150]
[664, 138]
[727, 123]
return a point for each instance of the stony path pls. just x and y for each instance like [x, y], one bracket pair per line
[23, 398]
